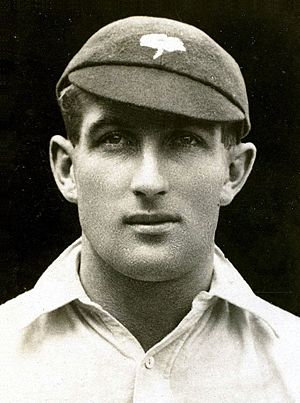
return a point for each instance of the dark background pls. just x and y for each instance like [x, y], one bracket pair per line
[260, 231]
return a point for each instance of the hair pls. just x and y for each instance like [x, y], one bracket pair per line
[73, 99]
[71, 103]
[231, 133]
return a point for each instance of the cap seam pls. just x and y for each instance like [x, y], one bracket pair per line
[162, 68]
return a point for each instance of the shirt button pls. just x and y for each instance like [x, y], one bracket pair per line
[149, 363]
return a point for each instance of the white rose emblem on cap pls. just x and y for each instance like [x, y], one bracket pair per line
[162, 42]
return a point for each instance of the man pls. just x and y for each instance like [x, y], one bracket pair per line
[144, 307]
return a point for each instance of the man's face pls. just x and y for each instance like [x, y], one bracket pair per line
[148, 189]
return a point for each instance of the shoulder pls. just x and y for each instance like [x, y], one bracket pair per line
[285, 349]
[285, 324]
[17, 312]
[284, 345]
[57, 286]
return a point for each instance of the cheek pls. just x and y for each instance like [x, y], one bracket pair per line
[206, 199]
[203, 181]
[101, 185]
[101, 179]
[205, 204]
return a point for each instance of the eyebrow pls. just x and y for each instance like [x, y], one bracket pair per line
[101, 122]
[108, 119]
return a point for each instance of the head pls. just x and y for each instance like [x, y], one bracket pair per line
[151, 153]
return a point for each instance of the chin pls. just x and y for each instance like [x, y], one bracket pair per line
[152, 265]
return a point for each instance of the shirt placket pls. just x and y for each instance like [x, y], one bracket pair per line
[152, 368]
[153, 372]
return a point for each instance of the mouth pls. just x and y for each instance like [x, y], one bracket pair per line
[152, 223]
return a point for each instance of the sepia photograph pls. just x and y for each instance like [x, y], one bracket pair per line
[150, 215]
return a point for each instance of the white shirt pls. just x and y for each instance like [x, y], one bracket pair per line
[59, 346]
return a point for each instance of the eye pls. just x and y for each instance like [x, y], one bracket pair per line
[116, 139]
[185, 139]
[113, 139]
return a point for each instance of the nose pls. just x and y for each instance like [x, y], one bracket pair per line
[147, 180]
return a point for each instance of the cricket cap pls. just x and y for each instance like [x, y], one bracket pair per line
[164, 65]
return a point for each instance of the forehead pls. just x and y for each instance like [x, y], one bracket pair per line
[96, 109]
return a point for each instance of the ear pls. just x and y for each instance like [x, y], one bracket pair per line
[61, 160]
[241, 159]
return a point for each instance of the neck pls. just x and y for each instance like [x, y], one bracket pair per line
[149, 310]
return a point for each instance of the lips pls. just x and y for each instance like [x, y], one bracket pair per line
[151, 219]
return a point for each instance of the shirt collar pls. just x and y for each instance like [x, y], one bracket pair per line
[60, 284]
[229, 285]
